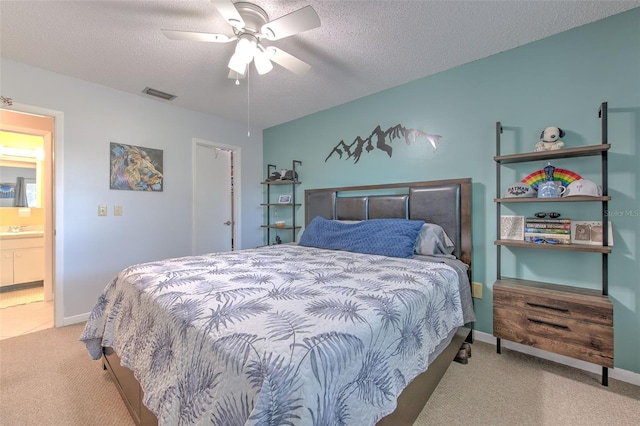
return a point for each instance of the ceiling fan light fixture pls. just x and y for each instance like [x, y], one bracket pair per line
[246, 47]
[238, 64]
[261, 59]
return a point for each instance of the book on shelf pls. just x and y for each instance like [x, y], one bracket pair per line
[545, 220]
[549, 225]
[547, 238]
[548, 231]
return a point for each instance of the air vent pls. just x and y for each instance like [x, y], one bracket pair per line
[158, 94]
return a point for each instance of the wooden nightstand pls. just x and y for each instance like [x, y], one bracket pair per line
[566, 320]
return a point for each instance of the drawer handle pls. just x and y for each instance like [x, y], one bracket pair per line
[537, 321]
[538, 305]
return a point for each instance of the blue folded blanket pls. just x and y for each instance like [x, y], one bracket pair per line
[386, 237]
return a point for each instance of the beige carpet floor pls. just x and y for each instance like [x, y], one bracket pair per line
[518, 389]
[48, 379]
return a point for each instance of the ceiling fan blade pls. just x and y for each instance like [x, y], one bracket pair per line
[195, 36]
[229, 13]
[295, 22]
[287, 61]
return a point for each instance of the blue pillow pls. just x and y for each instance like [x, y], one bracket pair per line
[386, 237]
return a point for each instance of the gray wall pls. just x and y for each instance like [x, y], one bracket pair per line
[155, 225]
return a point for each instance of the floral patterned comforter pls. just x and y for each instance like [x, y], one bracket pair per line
[279, 335]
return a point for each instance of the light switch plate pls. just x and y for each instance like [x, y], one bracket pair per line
[476, 290]
[102, 210]
[117, 210]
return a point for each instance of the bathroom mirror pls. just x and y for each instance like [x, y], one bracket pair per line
[21, 156]
[9, 175]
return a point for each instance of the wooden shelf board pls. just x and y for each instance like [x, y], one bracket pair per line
[583, 151]
[567, 247]
[280, 182]
[551, 200]
[518, 282]
[279, 227]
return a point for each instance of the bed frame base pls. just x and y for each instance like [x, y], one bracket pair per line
[413, 398]
[129, 389]
[410, 402]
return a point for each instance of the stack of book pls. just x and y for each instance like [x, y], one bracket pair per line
[551, 231]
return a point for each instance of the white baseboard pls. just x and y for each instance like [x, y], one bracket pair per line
[75, 319]
[614, 373]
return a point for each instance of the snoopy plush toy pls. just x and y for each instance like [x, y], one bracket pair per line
[550, 139]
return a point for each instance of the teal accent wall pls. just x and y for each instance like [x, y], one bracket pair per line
[558, 81]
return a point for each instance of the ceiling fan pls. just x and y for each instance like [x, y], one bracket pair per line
[251, 25]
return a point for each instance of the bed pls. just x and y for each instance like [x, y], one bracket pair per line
[298, 333]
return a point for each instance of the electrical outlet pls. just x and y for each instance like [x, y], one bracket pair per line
[476, 290]
[102, 210]
[117, 210]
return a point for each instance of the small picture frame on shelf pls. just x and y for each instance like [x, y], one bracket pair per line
[589, 232]
[284, 199]
[511, 227]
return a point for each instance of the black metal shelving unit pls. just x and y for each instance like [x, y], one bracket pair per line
[585, 151]
[293, 204]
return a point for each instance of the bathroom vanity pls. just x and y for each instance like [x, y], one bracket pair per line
[21, 257]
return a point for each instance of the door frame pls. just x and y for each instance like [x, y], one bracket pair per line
[237, 189]
[54, 196]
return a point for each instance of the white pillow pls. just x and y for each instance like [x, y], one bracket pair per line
[433, 241]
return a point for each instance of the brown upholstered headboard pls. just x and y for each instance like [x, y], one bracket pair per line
[445, 202]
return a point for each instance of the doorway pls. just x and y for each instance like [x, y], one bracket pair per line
[22, 125]
[216, 191]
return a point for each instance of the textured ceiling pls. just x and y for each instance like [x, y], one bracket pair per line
[362, 47]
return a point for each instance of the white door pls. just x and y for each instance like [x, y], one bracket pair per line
[213, 198]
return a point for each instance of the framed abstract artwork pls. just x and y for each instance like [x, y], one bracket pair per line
[136, 168]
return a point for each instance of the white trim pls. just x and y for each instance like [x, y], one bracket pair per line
[614, 373]
[58, 201]
[237, 189]
[76, 319]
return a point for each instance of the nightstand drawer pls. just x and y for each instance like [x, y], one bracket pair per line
[583, 340]
[560, 301]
